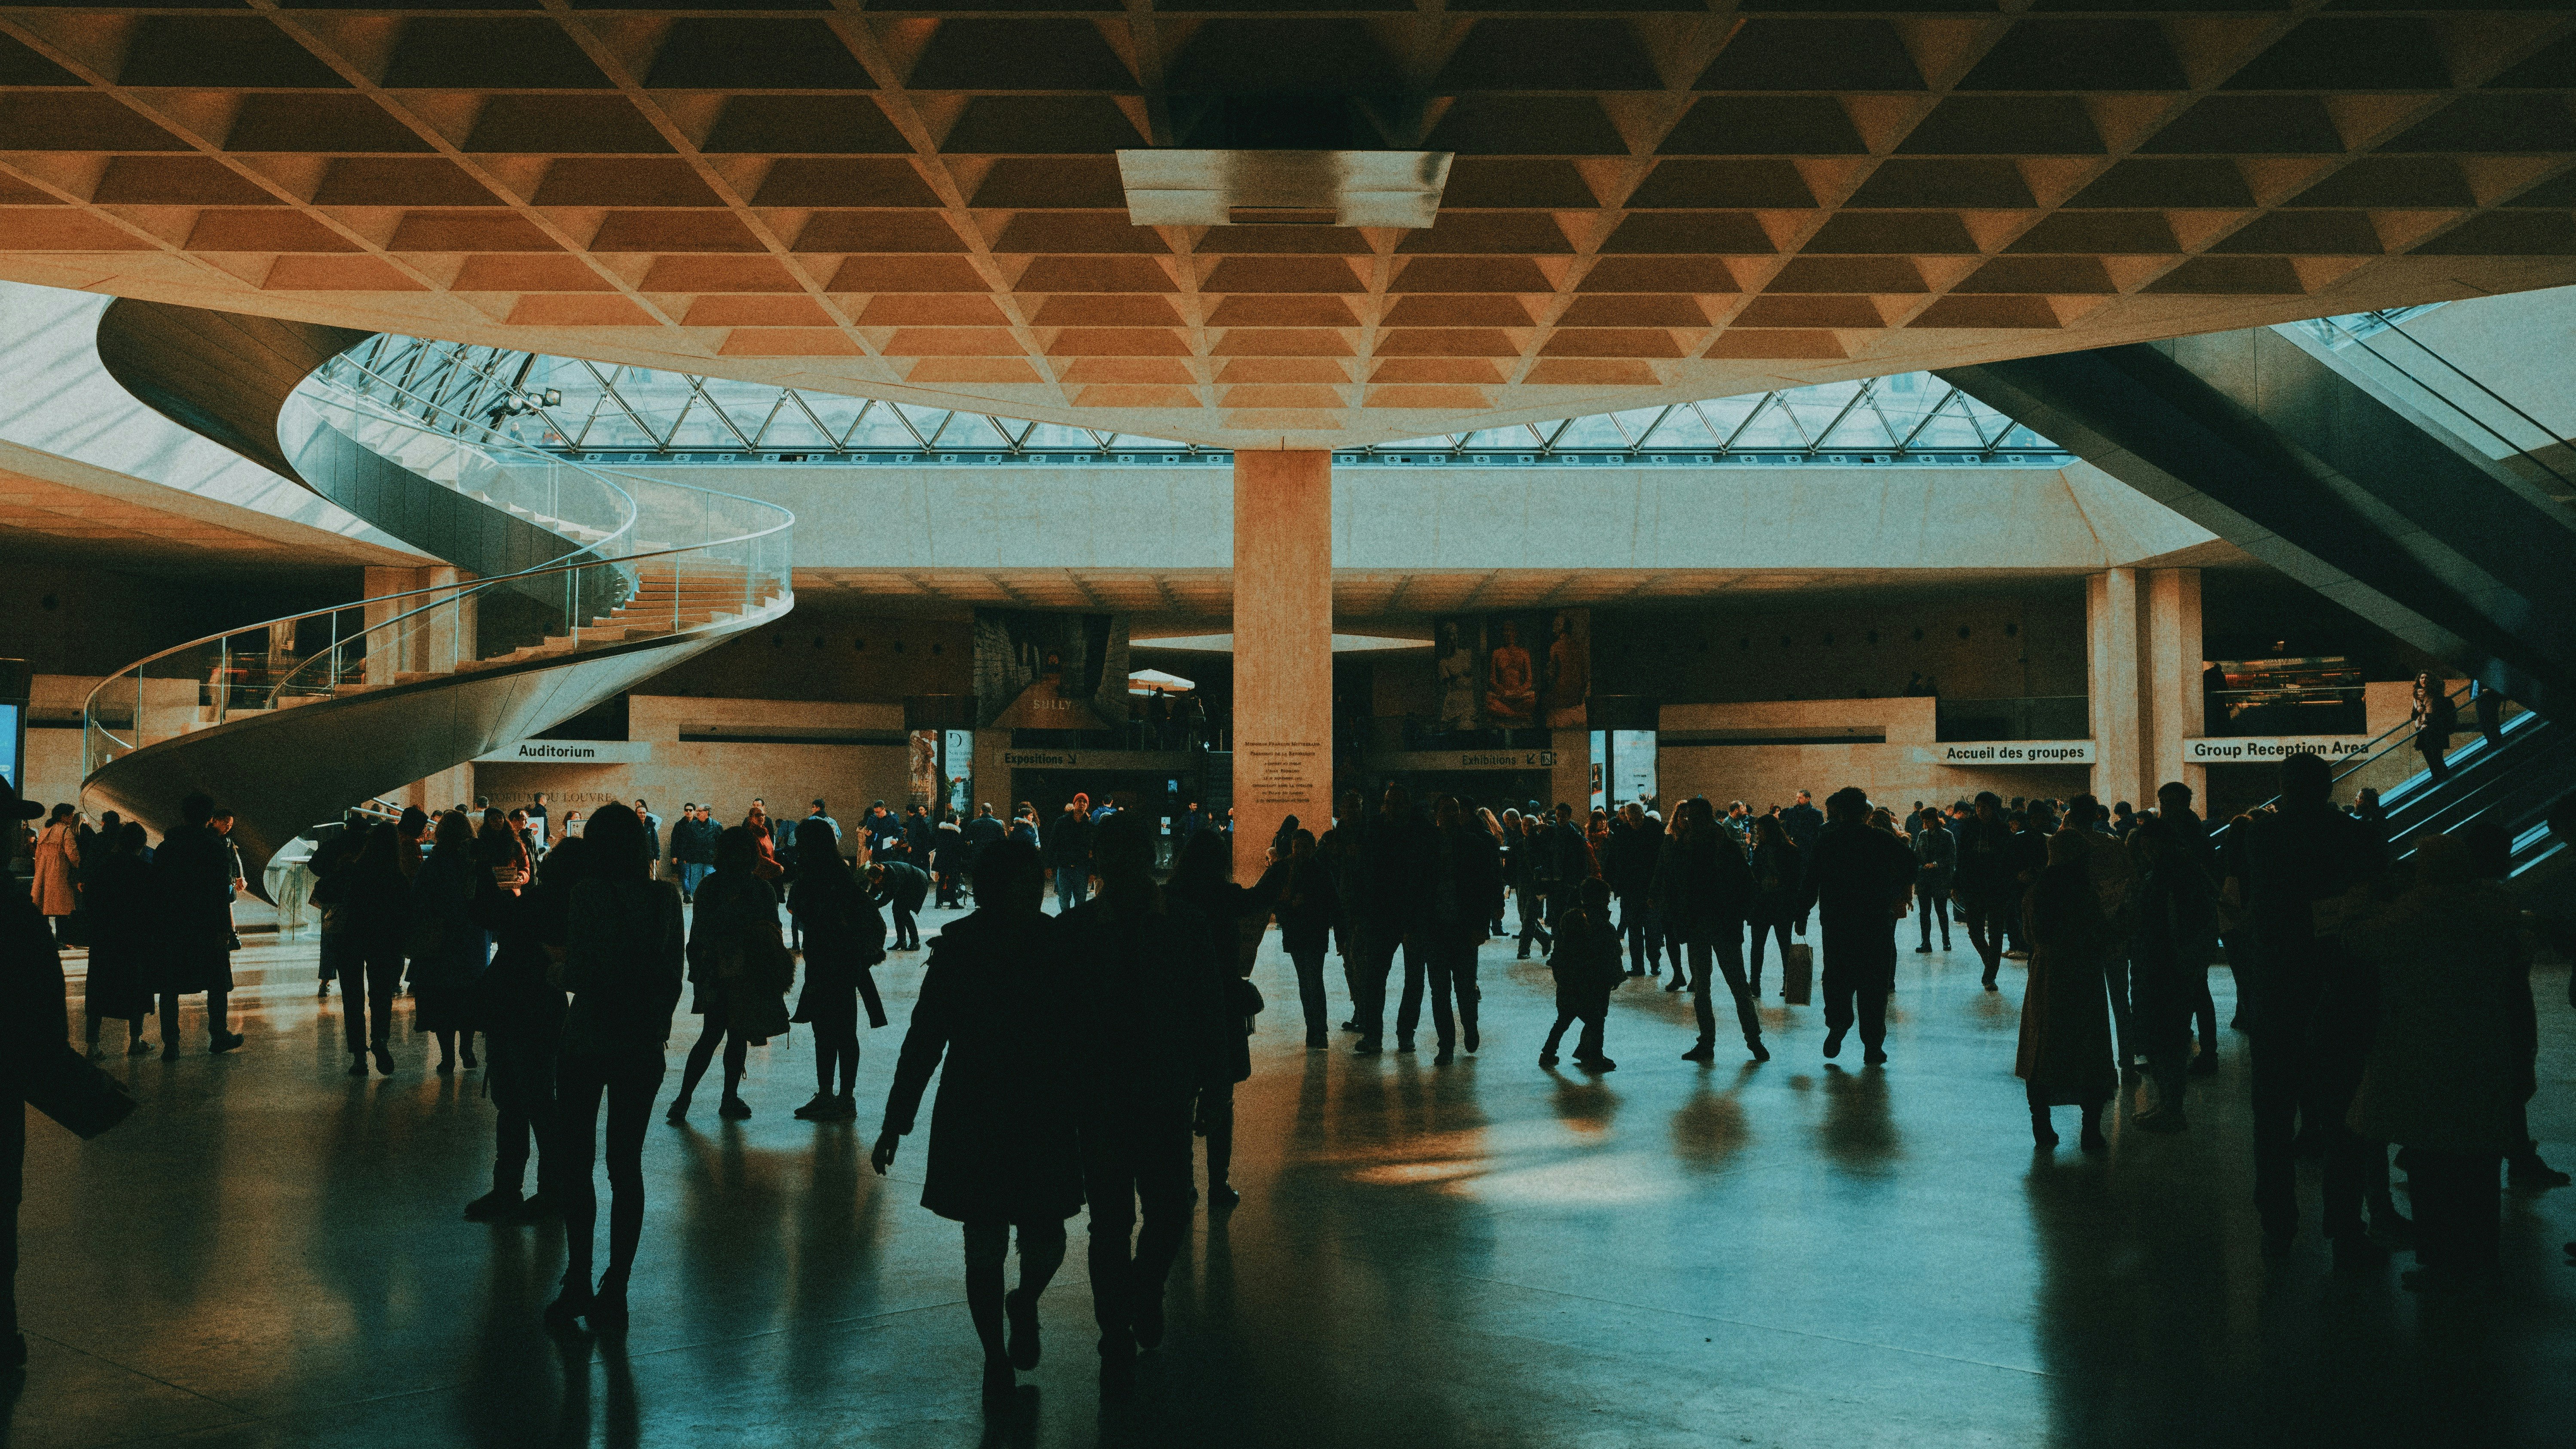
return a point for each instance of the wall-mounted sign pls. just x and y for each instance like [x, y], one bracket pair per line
[571, 752]
[2262, 749]
[1464, 760]
[1972, 754]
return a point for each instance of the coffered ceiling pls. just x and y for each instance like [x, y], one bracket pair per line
[1653, 200]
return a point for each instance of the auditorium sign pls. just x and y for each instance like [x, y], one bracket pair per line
[2267, 748]
[571, 752]
[1977, 754]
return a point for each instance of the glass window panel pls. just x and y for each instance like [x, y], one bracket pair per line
[1134, 442]
[836, 413]
[1057, 435]
[971, 430]
[882, 428]
[1771, 430]
[1596, 431]
[1516, 436]
[1948, 429]
[926, 422]
[790, 428]
[1636, 421]
[2018, 436]
[1681, 428]
[1861, 430]
[701, 428]
[1724, 415]
[1441, 443]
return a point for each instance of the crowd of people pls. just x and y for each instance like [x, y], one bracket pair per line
[2386, 1001]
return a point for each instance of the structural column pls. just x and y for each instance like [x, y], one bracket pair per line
[1283, 648]
[2112, 657]
[2174, 710]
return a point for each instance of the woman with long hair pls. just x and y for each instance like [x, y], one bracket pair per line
[738, 966]
[521, 1010]
[844, 936]
[2435, 717]
[57, 885]
[1306, 907]
[1705, 890]
[622, 950]
[445, 943]
[1777, 870]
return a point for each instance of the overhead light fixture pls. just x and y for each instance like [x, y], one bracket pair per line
[1309, 188]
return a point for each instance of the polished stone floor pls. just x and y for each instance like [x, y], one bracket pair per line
[1485, 1254]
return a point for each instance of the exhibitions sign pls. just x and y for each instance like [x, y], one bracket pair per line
[1443, 760]
[1973, 754]
[571, 752]
[2267, 748]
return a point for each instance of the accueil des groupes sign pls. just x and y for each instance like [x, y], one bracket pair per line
[2007, 752]
[2257, 750]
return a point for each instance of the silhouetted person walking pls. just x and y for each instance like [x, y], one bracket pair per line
[192, 877]
[1460, 891]
[1936, 867]
[1151, 1015]
[1988, 886]
[1704, 890]
[1858, 879]
[844, 938]
[1236, 915]
[1384, 876]
[997, 1002]
[2175, 911]
[2314, 1006]
[2064, 1056]
[444, 942]
[739, 968]
[2435, 719]
[1779, 872]
[622, 960]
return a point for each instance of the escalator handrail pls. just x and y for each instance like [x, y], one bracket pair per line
[2372, 751]
[2429, 390]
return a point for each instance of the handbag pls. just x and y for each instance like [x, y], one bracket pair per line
[1246, 998]
[66, 1087]
[758, 1015]
[1798, 975]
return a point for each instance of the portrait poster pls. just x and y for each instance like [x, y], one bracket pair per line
[1518, 670]
[926, 786]
[1044, 671]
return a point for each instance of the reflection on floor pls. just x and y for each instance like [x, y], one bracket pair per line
[1485, 1254]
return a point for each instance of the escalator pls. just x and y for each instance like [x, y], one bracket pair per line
[572, 583]
[2354, 457]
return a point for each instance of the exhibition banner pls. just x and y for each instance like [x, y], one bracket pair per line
[1514, 670]
[1038, 671]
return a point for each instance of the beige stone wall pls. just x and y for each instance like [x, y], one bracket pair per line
[1764, 775]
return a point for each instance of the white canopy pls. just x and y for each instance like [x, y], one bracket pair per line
[1146, 681]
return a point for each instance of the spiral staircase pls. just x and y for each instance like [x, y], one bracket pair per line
[573, 583]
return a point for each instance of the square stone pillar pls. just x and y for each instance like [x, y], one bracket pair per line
[2173, 651]
[1283, 648]
[2113, 656]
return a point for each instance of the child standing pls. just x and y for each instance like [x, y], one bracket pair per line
[1587, 967]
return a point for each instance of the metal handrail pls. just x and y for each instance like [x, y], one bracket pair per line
[2372, 751]
[590, 556]
[2335, 327]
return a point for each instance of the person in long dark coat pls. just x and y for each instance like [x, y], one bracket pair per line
[192, 878]
[1149, 975]
[444, 942]
[623, 946]
[1704, 890]
[844, 936]
[2174, 912]
[118, 896]
[995, 1001]
[1307, 905]
[1458, 892]
[521, 1010]
[735, 955]
[1860, 881]
[376, 900]
[2064, 1053]
[1237, 915]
